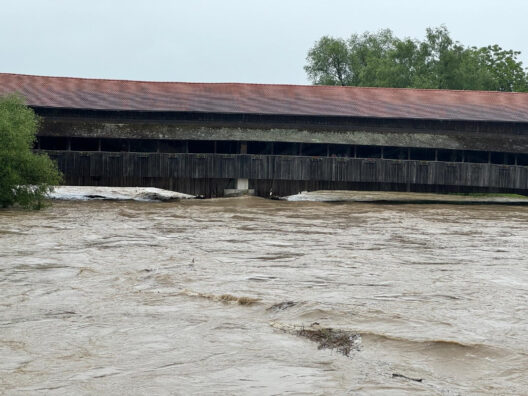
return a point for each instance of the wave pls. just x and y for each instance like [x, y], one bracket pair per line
[224, 298]
[433, 344]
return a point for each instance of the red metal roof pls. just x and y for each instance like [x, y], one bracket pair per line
[81, 93]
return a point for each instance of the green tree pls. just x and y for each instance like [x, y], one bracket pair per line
[25, 177]
[442, 63]
[382, 60]
[506, 71]
[329, 62]
[367, 57]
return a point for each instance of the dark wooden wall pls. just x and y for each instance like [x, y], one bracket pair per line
[210, 174]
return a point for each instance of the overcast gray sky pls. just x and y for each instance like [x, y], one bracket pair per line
[226, 40]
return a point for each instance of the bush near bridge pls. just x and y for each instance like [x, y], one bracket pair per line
[25, 177]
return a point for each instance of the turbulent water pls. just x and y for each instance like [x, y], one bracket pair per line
[126, 298]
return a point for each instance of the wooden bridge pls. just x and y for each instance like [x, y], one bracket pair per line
[206, 138]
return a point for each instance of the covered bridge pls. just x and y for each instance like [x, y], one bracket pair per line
[203, 138]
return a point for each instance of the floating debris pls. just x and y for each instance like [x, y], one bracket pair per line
[396, 375]
[241, 300]
[342, 341]
[281, 306]
[225, 298]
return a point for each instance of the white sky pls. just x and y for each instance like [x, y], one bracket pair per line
[259, 41]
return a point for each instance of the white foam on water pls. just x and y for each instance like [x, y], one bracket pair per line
[84, 193]
[395, 196]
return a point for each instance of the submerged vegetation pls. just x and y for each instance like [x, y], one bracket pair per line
[342, 341]
[25, 177]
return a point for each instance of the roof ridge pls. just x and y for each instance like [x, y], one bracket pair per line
[266, 84]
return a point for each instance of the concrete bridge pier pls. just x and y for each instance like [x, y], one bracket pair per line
[241, 184]
[241, 188]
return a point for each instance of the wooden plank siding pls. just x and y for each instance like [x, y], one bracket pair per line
[208, 174]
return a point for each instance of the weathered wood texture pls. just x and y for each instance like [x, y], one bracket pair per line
[209, 174]
[379, 132]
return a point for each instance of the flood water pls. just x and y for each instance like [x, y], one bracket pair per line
[124, 298]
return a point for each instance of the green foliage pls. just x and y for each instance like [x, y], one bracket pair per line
[382, 60]
[25, 177]
[507, 73]
[329, 62]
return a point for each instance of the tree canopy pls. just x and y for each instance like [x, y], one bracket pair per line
[382, 60]
[25, 177]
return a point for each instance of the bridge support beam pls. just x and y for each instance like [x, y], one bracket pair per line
[241, 188]
[242, 184]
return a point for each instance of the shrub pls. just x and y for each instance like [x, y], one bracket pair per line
[25, 177]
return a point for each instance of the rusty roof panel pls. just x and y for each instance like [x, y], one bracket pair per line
[96, 94]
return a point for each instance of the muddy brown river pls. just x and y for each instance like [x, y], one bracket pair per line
[208, 297]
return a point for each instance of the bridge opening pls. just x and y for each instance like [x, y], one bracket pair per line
[314, 150]
[522, 159]
[450, 155]
[339, 150]
[227, 147]
[114, 145]
[143, 146]
[53, 143]
[172, 146]
[481, 157]
[399, 153]
[284, 148]
[84, 144]
[260, 148]
[502, 158]
[368, 151]
[422, 154]
[201, 146]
